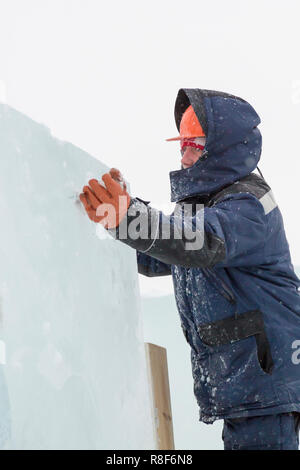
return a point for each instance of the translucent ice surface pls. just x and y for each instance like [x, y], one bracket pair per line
[73, 371]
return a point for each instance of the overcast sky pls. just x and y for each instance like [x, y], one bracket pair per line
[104, 75]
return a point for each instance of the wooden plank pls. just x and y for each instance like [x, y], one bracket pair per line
[160, 393]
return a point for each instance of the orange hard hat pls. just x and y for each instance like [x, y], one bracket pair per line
[190, 127]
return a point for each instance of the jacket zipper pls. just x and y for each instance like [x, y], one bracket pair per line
[220, 285]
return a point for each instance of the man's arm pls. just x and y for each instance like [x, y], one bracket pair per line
[232, 233]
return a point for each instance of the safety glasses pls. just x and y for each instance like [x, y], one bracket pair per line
[196, 142]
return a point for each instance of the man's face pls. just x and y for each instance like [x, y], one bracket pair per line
[190, 155]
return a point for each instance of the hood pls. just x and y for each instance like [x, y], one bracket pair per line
[233, 142]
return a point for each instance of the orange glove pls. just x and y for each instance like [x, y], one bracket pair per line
[106, 205]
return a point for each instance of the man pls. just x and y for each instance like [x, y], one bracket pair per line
[235, 287]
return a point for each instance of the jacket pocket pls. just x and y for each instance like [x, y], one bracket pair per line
[237, 328]
[239, 363]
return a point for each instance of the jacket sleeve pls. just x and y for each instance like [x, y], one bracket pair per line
[231, 233]
[151, 267]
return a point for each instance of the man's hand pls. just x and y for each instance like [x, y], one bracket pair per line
[106, 205]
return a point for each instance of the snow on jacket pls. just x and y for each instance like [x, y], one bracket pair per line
[237, 295]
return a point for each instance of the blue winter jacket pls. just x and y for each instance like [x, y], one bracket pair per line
[237, 294]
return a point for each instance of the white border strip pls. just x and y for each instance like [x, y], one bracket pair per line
[268, 202]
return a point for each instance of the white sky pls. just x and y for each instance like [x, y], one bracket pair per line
[104, 75]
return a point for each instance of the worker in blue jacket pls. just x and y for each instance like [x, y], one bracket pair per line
[225, 246]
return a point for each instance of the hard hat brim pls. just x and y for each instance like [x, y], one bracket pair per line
[174, 138]
[182, 137]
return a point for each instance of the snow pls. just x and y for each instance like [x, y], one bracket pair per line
[73, 369]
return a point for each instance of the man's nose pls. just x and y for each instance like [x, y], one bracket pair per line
[187, 155]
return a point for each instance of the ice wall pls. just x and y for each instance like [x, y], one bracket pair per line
[74, 374]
